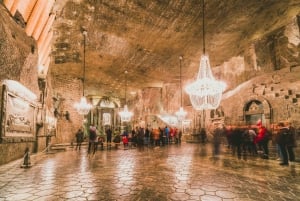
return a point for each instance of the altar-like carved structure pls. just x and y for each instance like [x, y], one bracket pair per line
[18, 109]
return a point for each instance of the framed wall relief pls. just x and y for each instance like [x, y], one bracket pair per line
[106, 119]
[18, 111]
[19, 117]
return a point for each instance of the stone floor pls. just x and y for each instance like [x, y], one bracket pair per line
[174, 172]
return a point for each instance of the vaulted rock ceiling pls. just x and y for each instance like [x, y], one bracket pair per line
[146, 37]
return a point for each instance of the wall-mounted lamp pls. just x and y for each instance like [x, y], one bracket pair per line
[61, 114]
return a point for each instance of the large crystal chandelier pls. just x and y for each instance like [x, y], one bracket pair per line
[206, 92]
[83, 107]
[180, 113]
[125, 114]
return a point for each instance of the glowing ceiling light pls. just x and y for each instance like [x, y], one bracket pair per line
[83, 107]
[125, 114]
[206, 91]
[180, 113]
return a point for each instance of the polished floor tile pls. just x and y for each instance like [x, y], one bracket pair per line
[174, 172]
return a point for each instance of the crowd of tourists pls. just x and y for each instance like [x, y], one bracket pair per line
[241, 140]
[255, 140]
[137, 137]
[151, 137]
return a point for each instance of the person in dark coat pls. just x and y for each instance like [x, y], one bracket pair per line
[286, 143]
[203, 135]
[237, 141]
[217, 138]
[92, 139]
[291, 142]
[282, 142]
[108, 133]
[79, 139]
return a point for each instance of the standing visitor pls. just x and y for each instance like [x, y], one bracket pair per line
[228, 134]
[161, 136]
[203, 135]
[147, 137]
[179, 136]
[252, 146]
[125, 141]
[282, 140]
[291, 142]
[262, 140]
[92, 139]
[236, 139]
[140, 137]
[79, 139]
[133, 137]
[166, 135]
[108, 133]
[217, 137]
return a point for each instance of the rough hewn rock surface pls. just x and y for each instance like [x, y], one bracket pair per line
[253, 46]
[147, 37]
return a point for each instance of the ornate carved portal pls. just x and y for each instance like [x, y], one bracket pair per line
[255, 110]
[104, 115]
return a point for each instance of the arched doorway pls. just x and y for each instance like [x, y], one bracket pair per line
[255, 110]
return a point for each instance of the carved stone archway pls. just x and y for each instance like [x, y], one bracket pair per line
[256, 108]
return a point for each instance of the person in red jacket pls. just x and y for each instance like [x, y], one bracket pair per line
[125, 141]
[262, 140]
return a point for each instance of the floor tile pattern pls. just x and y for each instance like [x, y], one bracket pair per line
[174, 172]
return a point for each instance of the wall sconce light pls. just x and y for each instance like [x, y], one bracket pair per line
[61, 114]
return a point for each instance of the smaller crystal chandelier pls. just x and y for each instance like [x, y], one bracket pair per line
[205, 92]
[125, 114]
[83, 107]
[180, 113]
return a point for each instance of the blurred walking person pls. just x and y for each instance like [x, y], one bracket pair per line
[262, 140]
[79, 139]
[108, 133]
[291, 142]
[217, 138]
[92, 139]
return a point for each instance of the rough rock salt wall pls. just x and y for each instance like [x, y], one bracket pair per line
[18, 53]
[274, 76]
[68, 90]
[18, 61]
[259, 67]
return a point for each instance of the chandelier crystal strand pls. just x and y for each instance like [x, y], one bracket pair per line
[125, 114]
[206, 92]
[180, 113]
[83, 107]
